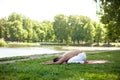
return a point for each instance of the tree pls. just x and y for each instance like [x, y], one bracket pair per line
[64, 29]
[77, 28]
[41, 31]
[60, 26]
[89, 33]
[50, 31]
[15, 30]
[100, 32]
[15, 24]
[36, 27]
[110, 16]
[3, 28]
[28, 26]
[14, 16]
[77, 24]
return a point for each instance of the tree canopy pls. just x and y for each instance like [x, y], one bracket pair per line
[110, 16]
[64, 29]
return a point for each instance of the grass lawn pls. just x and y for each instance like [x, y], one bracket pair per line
[33, 70]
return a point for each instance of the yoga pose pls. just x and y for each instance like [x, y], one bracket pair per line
[75, 56]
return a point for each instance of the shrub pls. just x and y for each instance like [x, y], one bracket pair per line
[2, 43]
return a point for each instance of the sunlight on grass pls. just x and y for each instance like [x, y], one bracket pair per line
[94, 76]
[33, 70]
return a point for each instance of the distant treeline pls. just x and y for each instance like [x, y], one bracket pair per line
[64, 29]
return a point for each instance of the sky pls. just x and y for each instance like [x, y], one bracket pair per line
[46, 9]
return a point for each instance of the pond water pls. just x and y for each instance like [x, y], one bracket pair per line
[10, 52]
[24, 51]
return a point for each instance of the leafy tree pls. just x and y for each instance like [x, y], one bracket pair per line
[14, 16]
[15, 31]
[36, 27]
[89, 33]
[72, 22]
[49, 32]
[3, 28]
[64, 29]
[28, 26]
[16, 27]
[100, 32]
[77, 32]
[24, 35]
[61, 27]
[40, 30]
[110, 16]
[77, 24]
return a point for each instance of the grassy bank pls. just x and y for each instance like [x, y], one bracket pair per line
[82, 44]
[34, 70]
[13, 58]
[22, 44]
[2, 43]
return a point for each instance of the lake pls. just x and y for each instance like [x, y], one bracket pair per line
[24, 51]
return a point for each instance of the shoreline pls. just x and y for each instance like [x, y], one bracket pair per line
[27, 51]
[7, 60]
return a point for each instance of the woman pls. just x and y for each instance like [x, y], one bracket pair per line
[75, 56]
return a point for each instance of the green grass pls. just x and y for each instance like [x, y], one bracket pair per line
[13, 58]
[22, 44]
[33, 70]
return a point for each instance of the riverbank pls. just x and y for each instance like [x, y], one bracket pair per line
[23, 44]
[85, 48]
[26, 51]
[4, 43]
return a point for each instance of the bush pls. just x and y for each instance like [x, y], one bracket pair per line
[2, 43]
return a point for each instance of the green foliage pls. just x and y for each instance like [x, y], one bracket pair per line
[61, 27]
[35, 70]
[64, 29]
[110, 16]
[3, 29]
[100, 33]
[89, 33]
[74, 27]
[2, 43]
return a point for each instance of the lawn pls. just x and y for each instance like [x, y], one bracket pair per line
[34, 70]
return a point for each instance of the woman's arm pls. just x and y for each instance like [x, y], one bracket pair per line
[48, 62]
[60, 61]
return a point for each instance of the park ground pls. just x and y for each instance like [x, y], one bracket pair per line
[34, 69]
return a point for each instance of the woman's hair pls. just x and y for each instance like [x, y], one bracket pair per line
[56, 59]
